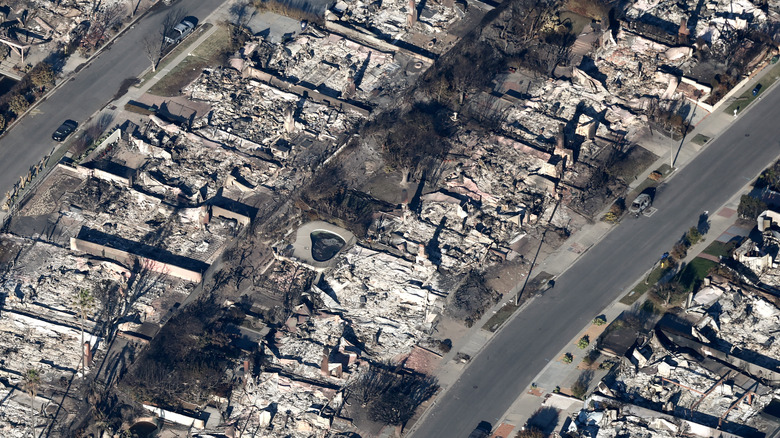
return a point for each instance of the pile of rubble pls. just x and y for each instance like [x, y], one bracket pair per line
[711, 368]
[289, 407]
[389, 301]
[337, 66]
[698, 20]
[255, 117]
[395, 18]
[40, 320]
[15, 420]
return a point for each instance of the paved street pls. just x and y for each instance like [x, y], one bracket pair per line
[85, 93]
[509, 362]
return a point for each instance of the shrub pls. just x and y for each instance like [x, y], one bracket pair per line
[693, 236]
[600, 320]
[591, 357]
[42, 75]
[750, 207]
[18, 104]
[444, 345]
[531, 432]
[579, 389]
[679, 251]
[583, 342]
[568, 358]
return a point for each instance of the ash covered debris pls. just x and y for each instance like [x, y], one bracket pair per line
[710, 368]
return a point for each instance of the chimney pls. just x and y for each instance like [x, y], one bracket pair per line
[560, 139]
[324, 364]
[683, 32]
[411, 19]
[350, 89]
[246, 371]
[289, 121]
[87, 354]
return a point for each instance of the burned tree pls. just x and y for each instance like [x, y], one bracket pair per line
[471, 299]
[390, 397]
[417, 140]
[104, 21]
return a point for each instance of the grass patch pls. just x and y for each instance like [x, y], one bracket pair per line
[665, 169]
[700, 139]
[640, 188]
[694, 272]
[720, 249]
[640, 289]
[176, 51]
[500, 317]
[211, 52]
[747, 97]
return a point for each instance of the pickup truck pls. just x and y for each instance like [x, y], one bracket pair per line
[178, 32]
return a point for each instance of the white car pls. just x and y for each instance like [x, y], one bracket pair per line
[640, 204]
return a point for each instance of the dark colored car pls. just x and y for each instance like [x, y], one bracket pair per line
[482, 430]
[67, 128]
[756, 90]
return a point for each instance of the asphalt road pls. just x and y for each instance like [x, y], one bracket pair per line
[507, 365]
[87, 92]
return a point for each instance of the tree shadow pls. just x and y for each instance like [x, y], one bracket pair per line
[56, 60]
[704, 223]
[544, 419]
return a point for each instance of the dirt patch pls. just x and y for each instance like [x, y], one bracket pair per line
[472, 299]
[209, 53]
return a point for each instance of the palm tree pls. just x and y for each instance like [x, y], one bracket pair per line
[32, 378]
[84, 301]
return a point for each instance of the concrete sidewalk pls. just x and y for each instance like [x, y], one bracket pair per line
[557, 373]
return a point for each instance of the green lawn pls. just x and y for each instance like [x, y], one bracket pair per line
[747, 97]
[720, 249]
[700, 139]
[664, 170]
[500, 317]
[694, 272]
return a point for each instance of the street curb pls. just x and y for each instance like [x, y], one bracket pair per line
[86, 64]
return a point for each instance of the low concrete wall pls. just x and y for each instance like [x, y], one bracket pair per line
[371, 40]
[97, 173]
[173, 417]
[125, 257]
[302, 91]
[227, 214]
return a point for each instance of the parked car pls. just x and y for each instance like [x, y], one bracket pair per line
[178, 32]
[640, 204]
[756, 90]
[67, 128]
[482, 430]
